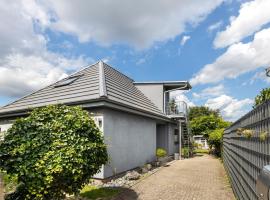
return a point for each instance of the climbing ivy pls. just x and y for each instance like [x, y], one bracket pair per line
[54, 151]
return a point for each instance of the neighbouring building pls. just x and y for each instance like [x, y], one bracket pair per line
[136, 118]
[201, 140]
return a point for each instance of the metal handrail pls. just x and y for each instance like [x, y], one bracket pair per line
[176, 108]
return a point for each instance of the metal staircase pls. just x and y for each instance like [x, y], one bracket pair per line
[178, 111]
[186, 136]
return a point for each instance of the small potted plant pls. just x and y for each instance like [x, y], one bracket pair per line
[161, 154]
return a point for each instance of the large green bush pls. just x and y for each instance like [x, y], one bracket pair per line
[54, 151]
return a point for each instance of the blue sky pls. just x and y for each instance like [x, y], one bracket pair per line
[221, 47]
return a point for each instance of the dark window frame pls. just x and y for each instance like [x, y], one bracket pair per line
[67, 81]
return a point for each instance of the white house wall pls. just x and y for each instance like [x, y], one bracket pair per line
[173, 147]
[131, 141]
[154, 93]
[4, 126]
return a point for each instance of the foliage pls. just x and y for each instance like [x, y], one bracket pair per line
[10, 182]
[185, 152]
[205, 124]
[263, 136]
[93, 192]
[215, 139]
[262, 97]
[54, 151]
[201, 151]
[248, 133]
[195, 145]
[199, 111]
[161, 153]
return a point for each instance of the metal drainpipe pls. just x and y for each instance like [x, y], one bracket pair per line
[180, 140]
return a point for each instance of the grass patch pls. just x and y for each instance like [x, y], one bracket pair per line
[201, 151]
[93, 192]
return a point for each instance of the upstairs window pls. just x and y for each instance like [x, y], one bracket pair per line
[67, 81]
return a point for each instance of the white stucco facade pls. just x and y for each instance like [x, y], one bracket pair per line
[4, 126]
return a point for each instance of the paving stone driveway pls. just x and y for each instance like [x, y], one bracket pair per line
[199, 178]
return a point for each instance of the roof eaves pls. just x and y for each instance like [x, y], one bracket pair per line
[165, 83]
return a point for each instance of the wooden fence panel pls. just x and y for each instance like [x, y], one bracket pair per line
[245, 157]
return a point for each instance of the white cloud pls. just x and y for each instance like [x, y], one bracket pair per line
[238, 59]
[210, 92]
[185, 38]
[137, 23]
[141, 61]
[25, 62]
[252, 16]
[20, 74]
[215, 26]
[230, 108]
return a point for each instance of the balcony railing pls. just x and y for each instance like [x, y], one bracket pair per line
[176, 108]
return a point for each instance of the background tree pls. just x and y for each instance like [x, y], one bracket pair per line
[262, 97]
[54, 151]
[203, 125]
[198, 111]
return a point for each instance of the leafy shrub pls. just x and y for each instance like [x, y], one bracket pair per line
[185, 152]
[161, 153]
[263, 136]
[215, 139]
[54, 151]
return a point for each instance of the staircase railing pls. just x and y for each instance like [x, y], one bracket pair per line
[176, 108]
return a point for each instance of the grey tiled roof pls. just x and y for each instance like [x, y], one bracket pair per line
[95, 82]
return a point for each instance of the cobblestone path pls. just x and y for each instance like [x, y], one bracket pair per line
[198, 178]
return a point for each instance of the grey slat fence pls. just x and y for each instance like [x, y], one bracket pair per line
[245, 157]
